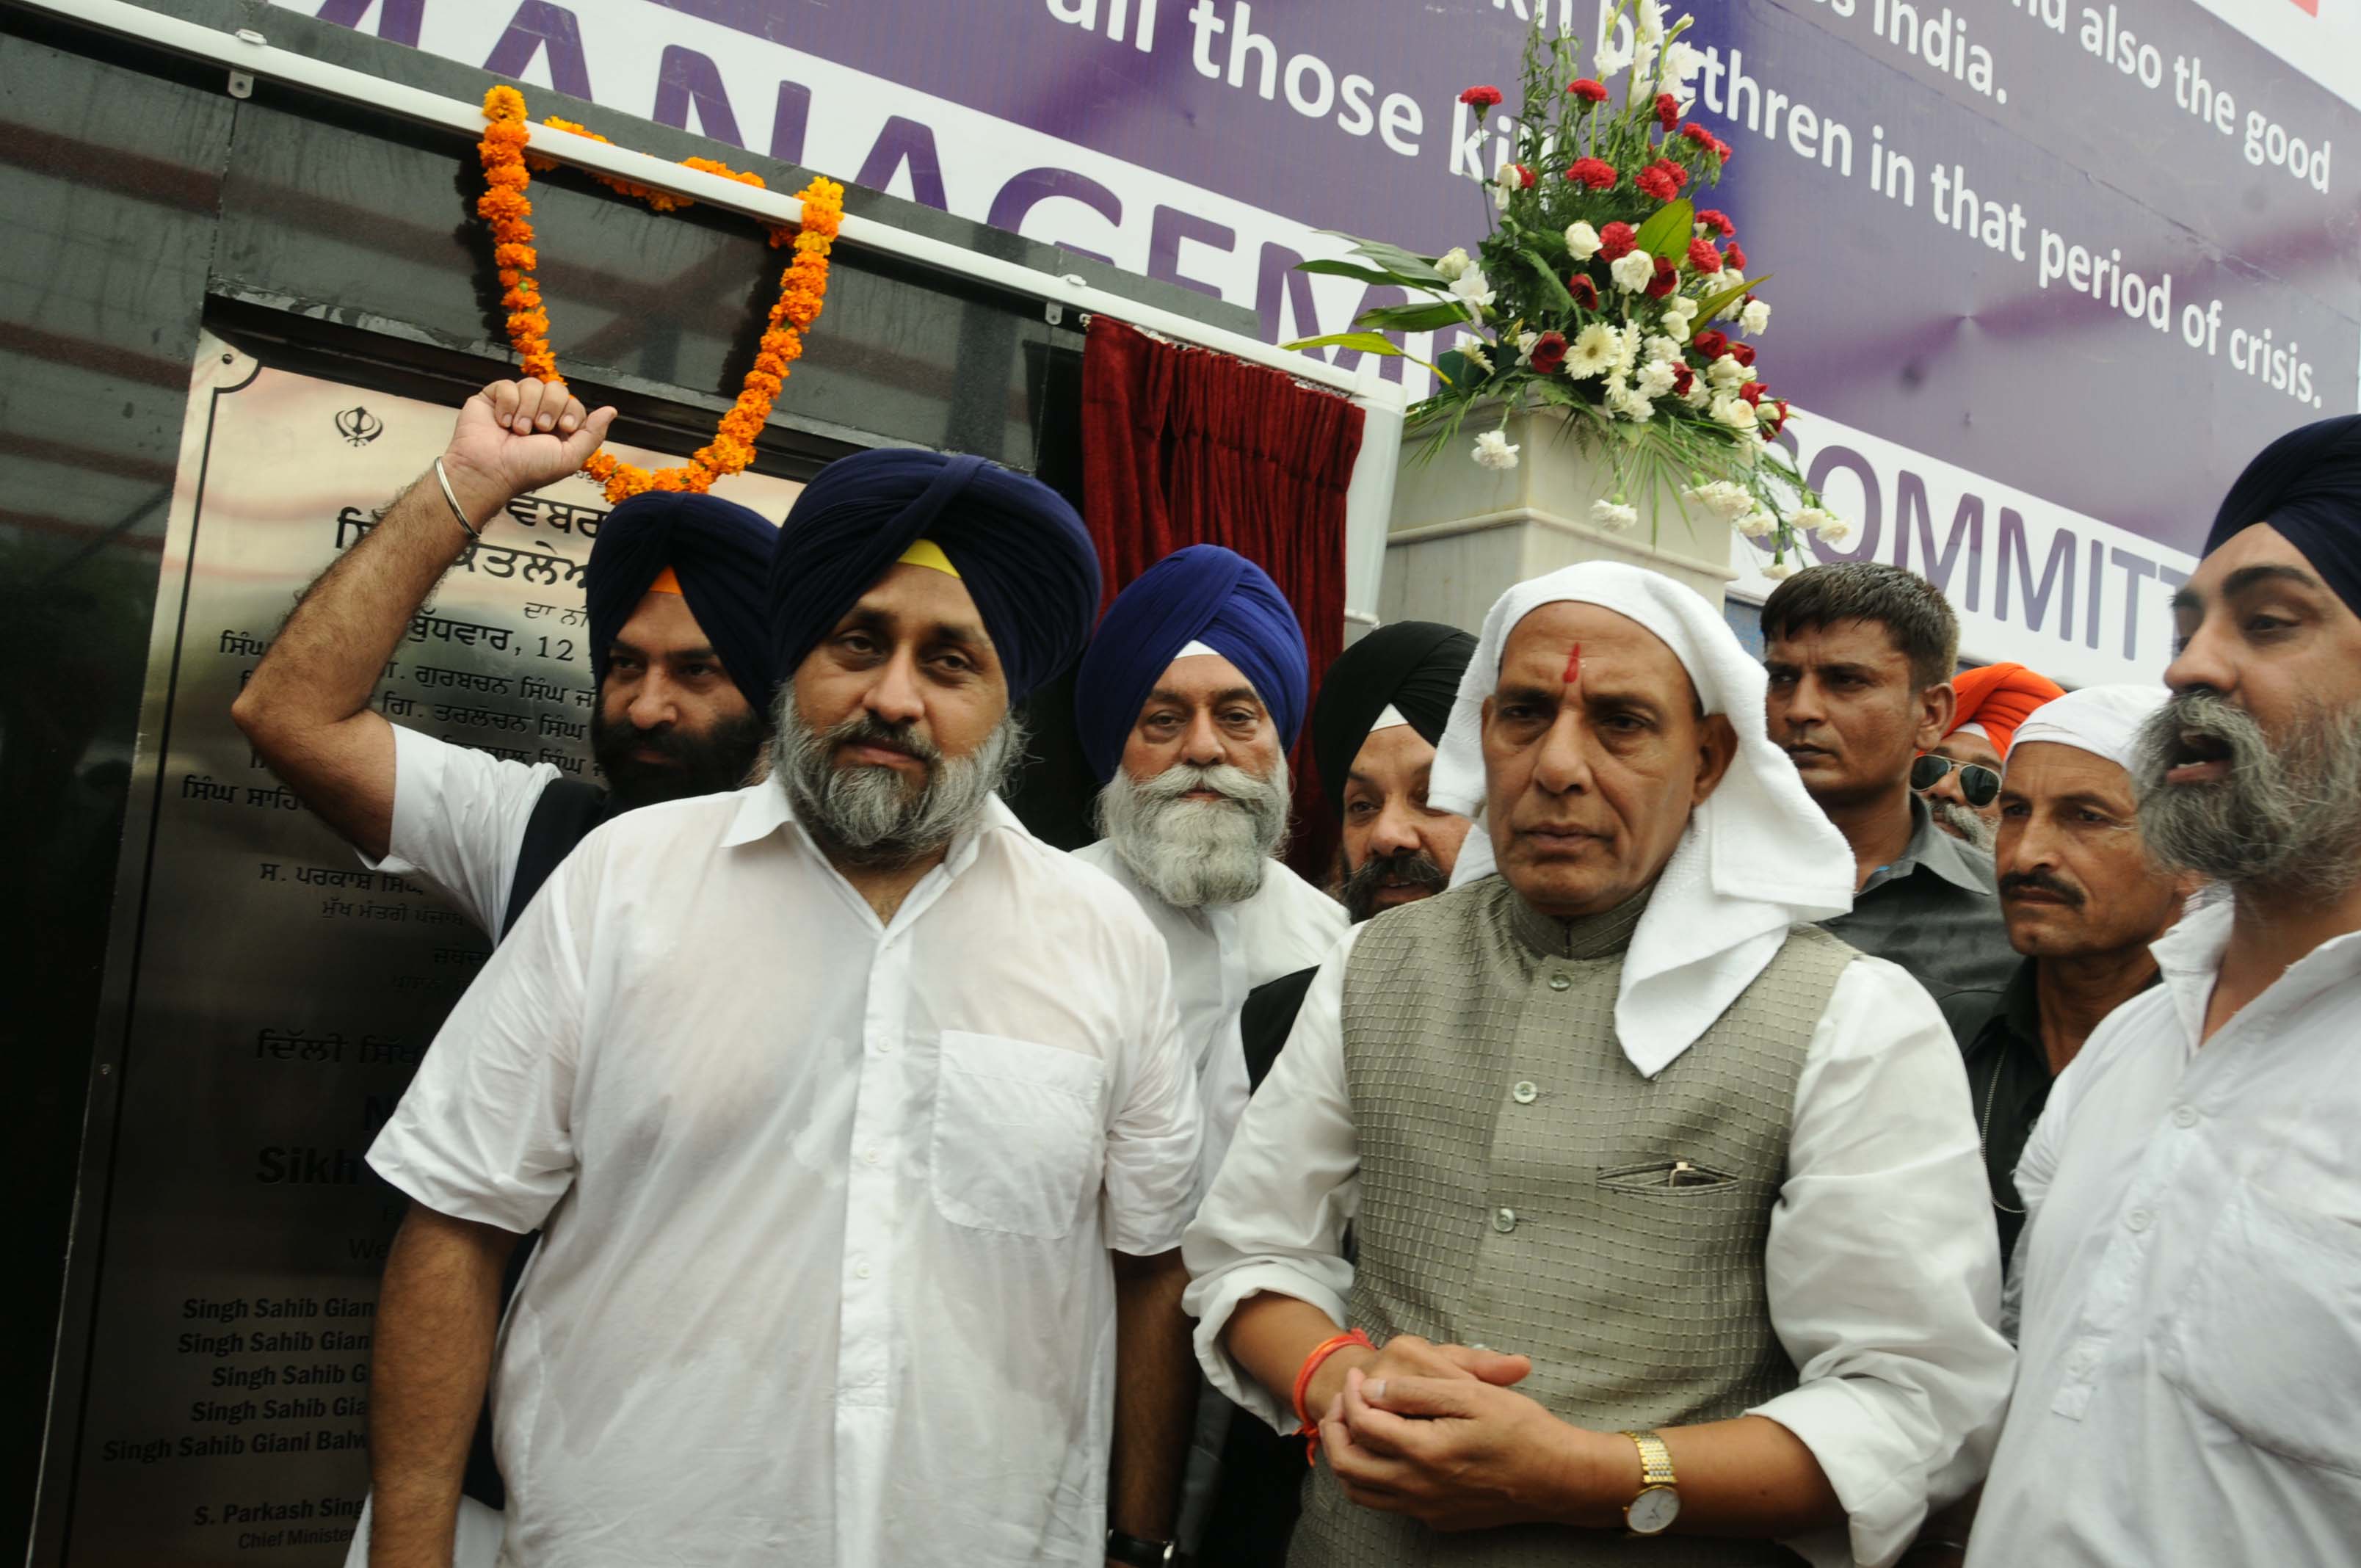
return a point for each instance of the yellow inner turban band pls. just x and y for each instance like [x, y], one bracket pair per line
[928, 554]
[665, 583]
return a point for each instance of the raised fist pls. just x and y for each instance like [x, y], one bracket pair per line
[515, 436]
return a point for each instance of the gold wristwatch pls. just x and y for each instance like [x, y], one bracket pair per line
[1659, 1502]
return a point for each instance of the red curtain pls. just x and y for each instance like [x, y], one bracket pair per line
[1186, 446]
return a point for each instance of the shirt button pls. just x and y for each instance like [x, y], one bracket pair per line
[2185, 1117]
[2139, 1219]
[1560, 981]
[1525, 1093]
[870, 1156]
[1504, 1220]
[860, 1271]
[884, 1048]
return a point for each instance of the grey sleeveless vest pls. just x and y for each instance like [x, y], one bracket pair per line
[1523, 1187]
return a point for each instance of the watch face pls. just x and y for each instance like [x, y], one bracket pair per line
[1653, 1511]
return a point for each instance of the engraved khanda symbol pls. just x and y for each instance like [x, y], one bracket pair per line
[359, 427]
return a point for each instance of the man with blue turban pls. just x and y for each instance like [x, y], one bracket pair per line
[677, 645]
[2190, 1262]
[857, 1119]
[1189, 698]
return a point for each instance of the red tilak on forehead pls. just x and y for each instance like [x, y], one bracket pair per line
[1573, 665]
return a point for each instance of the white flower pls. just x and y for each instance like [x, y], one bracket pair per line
[1637, 410]
[1777, 570]
[1683, 62]
[1611, 59]
[1700, 391]
[1472, 288]
[1827, 525]
[1613, 514]
[1745, 452]
[1756, 523]
[1649, 20]
[1726, 372]
[1632, 270]
[1664, 350]
[1656, 379]
[1680, 319]
[1581, 241]
[1735, 412]
[1452, 262]
[1525, 341]
[1729, 310]
[1472, 350]
[1493, 451]
[1725, 500]
[1627, 348]
[1755, 316]
[1593, 351]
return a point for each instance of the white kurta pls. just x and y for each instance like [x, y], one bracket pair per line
[1882, 1266]
[2192, 1332]
[1218, 955]
[827, 1203]
[459, 817]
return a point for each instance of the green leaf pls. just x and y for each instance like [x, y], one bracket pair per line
[1417, 316]
[1552, 284]
[1402, 262]
[1346, 270]
[1367, 342]
[1667, 232]
[1711, 305]
[1457, 369]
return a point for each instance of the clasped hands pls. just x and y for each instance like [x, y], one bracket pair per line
[1438, 1432]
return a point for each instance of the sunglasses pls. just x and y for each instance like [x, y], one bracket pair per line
[1978, 784]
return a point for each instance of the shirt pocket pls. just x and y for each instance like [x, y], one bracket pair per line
[2268, 1326]
[1019, 1135]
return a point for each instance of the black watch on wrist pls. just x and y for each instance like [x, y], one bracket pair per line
[1139, 1552]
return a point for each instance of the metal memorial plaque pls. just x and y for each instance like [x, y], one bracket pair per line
[276, 997]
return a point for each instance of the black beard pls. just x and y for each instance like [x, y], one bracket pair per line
[1359, 892]
[708, 763]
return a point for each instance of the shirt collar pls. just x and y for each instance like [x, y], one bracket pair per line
[2190, 959]
[1937, 851]
[763, 810]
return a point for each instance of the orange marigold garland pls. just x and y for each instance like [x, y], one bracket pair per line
[802, 288]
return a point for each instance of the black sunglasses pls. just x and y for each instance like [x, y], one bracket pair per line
[1978, 784]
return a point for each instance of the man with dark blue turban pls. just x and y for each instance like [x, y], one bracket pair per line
[2187, 1263]
[1189, 698]
[677, 645]
[858, 1118]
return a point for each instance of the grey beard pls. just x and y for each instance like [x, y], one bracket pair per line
[870, 816]
[1966, 823]
[1196, 853]
[2287, 817]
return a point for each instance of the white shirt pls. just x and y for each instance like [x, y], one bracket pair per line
[1882, 1267]
[827, 1204]
[459, 817]
[2191, 1383]
[1219, 955]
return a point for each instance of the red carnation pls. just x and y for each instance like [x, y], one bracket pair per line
[1712, 344]
[1752, 392]
[1480, 98]
[1683, 379]
[1589, 91]
[1615, 242]
[1667, 278]
[1668, 110]
[1743, 352]
[1722, 149]
[1719, 221]
[1584, 292]
[1524, 176]
[1549, 353]
[1699, 134]
[1703, 256]
[1594, 173]
[1673, 171]
[1736, 257]
[1770, 432]
[1653, 182]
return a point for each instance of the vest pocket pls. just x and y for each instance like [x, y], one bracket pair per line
[1018, 1135]
[1674, 1174]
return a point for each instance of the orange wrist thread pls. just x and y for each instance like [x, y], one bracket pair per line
[1311, 1364]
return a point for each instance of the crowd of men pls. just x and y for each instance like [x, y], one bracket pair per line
[1834, 1107]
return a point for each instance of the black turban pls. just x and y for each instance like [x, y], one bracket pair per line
[1413, 667]
[718, 551]
[2307, 484]
[1021, 552]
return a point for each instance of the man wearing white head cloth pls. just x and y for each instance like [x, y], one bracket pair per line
[1704, 1178]
[2082, 900]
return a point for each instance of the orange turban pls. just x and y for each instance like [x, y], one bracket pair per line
[1997, 698]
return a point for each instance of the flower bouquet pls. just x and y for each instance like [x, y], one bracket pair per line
[1606, 290]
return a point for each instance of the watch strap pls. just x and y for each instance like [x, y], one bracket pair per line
[1656, 1460]
[1137, 1550]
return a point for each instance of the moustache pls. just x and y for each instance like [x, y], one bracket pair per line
[868, 729]
[2041, 882]
[1234, 784]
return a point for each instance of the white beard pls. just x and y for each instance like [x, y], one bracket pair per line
[1197, 853]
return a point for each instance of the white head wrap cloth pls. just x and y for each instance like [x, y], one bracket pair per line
[2102, 720]
[1756, 857]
